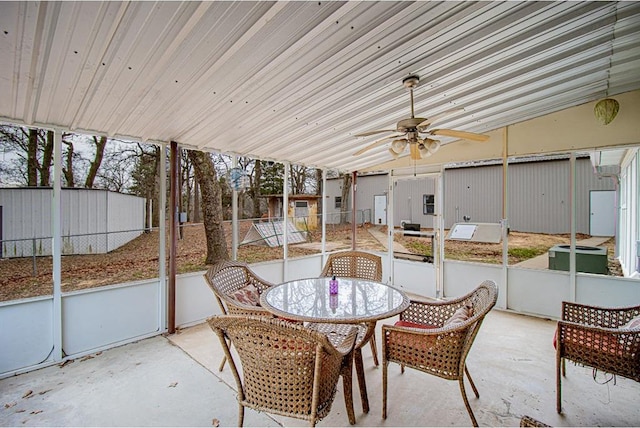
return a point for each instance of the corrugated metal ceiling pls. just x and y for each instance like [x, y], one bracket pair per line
[295, 81]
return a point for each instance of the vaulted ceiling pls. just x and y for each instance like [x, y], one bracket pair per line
[295, 81]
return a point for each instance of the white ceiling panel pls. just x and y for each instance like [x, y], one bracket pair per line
[295, 81]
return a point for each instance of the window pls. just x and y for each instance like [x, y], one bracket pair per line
[428, 204]
[302, 209]
[338, 202]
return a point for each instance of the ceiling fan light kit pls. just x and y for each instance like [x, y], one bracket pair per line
[411, 128]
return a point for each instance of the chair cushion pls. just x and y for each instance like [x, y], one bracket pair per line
[460, 315]
[634, 324]
[247, 295]
[410, 324]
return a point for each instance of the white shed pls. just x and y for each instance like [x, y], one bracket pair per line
[93, 221]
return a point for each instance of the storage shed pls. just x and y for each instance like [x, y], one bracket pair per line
[93, 221]
[303, 210]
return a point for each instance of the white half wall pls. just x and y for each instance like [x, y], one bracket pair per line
[26, 336]
[93, 319]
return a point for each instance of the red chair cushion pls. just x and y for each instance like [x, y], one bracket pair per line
[410, 324]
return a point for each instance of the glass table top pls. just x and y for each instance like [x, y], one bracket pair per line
[357, 300]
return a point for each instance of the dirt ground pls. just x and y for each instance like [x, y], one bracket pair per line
[22, 278]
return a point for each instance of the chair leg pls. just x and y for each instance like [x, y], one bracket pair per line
[222, 363]
[347, 386]
[559, 362]
[466, 401]
[374, 350]
[385, 365]
[473, 386]
[240, 415]
[224, 358]
[361, 380]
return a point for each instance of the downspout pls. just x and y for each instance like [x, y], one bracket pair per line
[354, 188]
[173, 236]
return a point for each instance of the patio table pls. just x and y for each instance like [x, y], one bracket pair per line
[357, 301]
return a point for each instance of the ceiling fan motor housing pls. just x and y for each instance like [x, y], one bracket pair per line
[409, 125]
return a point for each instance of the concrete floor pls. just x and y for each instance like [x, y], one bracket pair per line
[174, 381]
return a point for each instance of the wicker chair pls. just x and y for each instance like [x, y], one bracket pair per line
[422, 341]
[356, 264]
[600, 338]
[287, 368]
[226, 278]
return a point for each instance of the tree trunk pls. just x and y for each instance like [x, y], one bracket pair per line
[344, 203]
[47, 156]
[255, 188]
[196, 202]
[212, 206]
[32, 159]
[68, 170]
[97, 161]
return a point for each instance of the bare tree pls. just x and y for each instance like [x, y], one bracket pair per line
[32, 161]
[100, 144]
[67, 169]
[211, 206]
[47, 157]
[344, 201]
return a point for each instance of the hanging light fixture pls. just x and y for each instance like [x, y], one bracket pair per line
[424, 152]
[606, 110]
[398, 145]
[432, 145]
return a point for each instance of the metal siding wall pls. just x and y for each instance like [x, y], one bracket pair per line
[124, 213]
[334, 188]
[586, 181]
[408, 196]
[368, 187]
[539, 196]
[26, 215]
[475, 192]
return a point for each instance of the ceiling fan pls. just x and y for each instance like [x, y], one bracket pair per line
[410, 130]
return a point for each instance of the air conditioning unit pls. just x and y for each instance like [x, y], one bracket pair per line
[588, 259]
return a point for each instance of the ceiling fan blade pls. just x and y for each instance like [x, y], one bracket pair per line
[459, 134]
[415, 152]
[438, 116]
[379, 131]
[376, 144]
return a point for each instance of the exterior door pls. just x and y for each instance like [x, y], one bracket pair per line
[602, 209]
[380, 209]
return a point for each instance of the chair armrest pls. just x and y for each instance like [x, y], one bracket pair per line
[617, 341]
[430, 313]
[259, 283]
[598, 316]
[341, 336]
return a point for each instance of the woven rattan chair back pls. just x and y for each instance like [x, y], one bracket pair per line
[599, 338]
[287, 369]
[227, 277]
[354, 264]
[437, 349]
